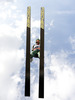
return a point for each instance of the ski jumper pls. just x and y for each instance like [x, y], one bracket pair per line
[35, 51]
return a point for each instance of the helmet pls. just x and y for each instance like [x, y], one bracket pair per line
[37, 40]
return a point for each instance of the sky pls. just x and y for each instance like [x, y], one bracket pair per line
[59, 58]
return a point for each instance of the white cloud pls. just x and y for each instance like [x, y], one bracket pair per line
[5, 1]
[7, 30]
[35, 23]
[8, 86]
[52, 23]
[11, 56]
[59, 78]
[13, 7]
[11, 53]
[35, 92]
[72, 41]
[66, 12]
[62, 85]
[59, 75]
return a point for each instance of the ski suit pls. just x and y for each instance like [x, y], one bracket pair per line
[35, 51]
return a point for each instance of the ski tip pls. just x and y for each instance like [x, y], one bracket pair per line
[28, 16]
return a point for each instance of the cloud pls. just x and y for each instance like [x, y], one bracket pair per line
[11, 53]
[51, 24]
[59, 75]
[35, 23]
[72, 41]
[35, 30]
[61, 84]
[10, 63]
[59, 78]
[7, 0]
[66, 12]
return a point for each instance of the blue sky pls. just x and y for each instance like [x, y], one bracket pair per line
[59, 49]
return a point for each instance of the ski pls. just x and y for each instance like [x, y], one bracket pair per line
[27, 73]
[41, 69]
